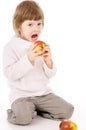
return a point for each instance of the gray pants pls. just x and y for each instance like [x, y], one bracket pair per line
[50, 106]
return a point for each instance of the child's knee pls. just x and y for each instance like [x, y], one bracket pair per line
[19, 118]
[24, 118]
[69, 112]
[65, 113]
[23, 113]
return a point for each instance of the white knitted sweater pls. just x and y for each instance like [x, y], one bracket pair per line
[25, 79]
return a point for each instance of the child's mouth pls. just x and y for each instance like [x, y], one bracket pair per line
[34, 36]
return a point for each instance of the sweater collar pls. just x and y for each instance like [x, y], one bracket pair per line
[20, 40]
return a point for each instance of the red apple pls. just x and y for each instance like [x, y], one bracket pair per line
[68, 125]
[39, 45]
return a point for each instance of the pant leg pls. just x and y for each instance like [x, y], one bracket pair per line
[22, 112]
[54, 107]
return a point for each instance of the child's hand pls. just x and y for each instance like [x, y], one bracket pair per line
[33, 54]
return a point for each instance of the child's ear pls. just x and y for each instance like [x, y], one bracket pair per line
[19, 30]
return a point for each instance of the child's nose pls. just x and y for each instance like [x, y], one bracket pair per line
[35, 28]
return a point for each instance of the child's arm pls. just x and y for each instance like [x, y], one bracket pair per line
[47, 57]
[15, 68]
[49, 66]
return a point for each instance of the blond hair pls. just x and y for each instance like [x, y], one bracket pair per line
[26, 10]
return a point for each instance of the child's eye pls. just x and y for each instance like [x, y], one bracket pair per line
[30, 24]
[39, 24]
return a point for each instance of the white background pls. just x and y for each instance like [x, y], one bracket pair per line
[65, 31]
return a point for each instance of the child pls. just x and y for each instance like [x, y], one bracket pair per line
[28, 72]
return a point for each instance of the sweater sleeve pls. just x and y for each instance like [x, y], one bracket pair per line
[13, 67]
[50, 72]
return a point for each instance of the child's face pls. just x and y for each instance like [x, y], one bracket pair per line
[31, 29]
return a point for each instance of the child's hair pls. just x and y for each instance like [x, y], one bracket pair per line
[26, 10]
